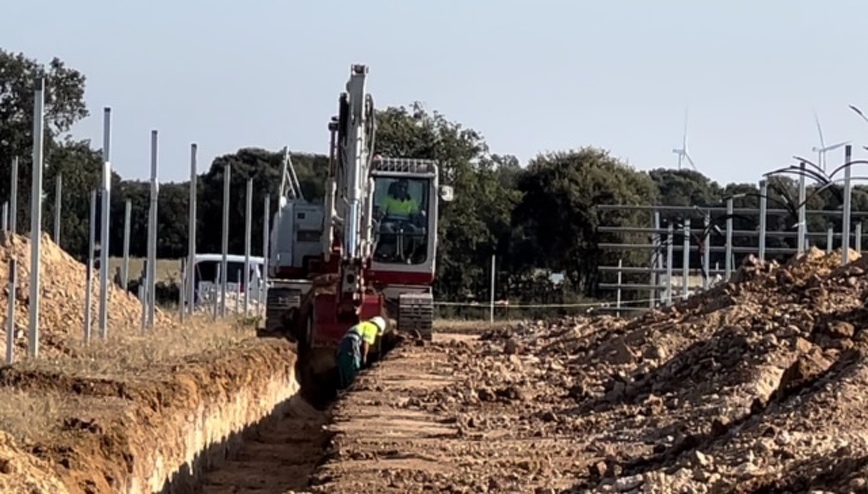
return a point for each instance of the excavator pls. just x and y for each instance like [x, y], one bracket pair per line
[369, 249]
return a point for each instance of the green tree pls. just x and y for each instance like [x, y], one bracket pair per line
[64, 106]
[561, 191]
[474, 225]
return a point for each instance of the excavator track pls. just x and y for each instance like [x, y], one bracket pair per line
[279, 304]
[416, 314]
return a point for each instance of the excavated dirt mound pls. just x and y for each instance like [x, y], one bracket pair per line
[62, 299]
[755, 386]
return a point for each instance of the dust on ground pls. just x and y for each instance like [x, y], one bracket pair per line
[754, 386]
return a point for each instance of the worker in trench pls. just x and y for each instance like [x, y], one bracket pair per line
[353, 348]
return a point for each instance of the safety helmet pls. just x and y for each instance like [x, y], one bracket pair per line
[380, 323]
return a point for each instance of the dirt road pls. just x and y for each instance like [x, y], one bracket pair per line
[412, 424]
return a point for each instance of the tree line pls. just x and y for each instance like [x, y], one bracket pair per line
[538, 219]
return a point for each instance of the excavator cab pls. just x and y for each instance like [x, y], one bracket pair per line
[404, 221]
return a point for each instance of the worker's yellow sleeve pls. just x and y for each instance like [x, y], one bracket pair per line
[368, 331]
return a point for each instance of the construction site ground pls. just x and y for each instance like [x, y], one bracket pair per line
[757, 385]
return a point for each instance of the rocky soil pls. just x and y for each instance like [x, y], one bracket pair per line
[62, 298]
[755, 386]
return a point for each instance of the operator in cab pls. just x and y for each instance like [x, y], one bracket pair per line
[353, 348]
[398, 200]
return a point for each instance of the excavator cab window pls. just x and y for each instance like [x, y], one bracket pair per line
[401, 220]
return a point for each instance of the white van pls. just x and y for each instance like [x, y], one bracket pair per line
[206, 275]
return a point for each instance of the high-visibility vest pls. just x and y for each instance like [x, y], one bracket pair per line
[367, 330]
[399, 206]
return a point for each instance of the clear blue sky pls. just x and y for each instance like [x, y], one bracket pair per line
[531, 76]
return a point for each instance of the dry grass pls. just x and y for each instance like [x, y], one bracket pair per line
[167, 269]
[126, 354]
[30, 416]
[463, 325]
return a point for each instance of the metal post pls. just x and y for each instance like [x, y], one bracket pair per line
[36, 213]
[706, 257]
[238, 277]
[191, 238]
[685, 262]
[763, 216]
[728, 249]
[491, 297]
[830, 239]
[224, 264]
[266, 216]
[670, 245]
[845, 221]
[10, 312]
[91, 239]
[143, 298]
[152, 234]
[216, 291]
[858, 240]
[248, 218]
[802, 226]
[13, 197]
[618, 292]
[106, 223]
[125, 269]
[183, 288]
[58, 205]
[655, 262]
[4, 225]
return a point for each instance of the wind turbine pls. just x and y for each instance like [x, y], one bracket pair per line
[862, 115]
[682, 152]
[821, 151]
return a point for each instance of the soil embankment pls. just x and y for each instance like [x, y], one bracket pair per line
[755, 386]
[158, 431]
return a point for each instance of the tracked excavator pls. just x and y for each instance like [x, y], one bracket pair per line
[368, 249]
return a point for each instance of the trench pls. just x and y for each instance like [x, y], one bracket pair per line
[279, 453]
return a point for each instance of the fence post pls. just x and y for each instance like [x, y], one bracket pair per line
[655, 264]
[685, 260]
[266, 235]
[10, 312]
[763, 205]
[845, 221]
[182, 288]
[858, 245]
[728, 252]
[830, 238]
[493, 277]
[670, 246]
[706, 255]
[618, 292]
[5, 220]
[224, 264]
[89, 276]
[238, 293]
[36, 213]
[248, 219]
[58, 205]
[13, 198]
